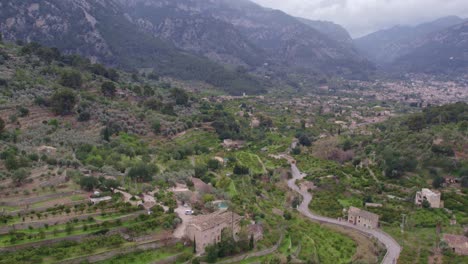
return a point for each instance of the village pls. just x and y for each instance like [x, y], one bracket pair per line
[182, 177]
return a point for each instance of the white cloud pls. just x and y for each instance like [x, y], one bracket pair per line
[361, 17]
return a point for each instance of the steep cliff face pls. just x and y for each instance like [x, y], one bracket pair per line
[46, 22]
[190, 29]
[186, 38]
[287, 40]
[103, 31]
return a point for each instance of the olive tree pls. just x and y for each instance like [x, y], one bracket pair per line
[63, 101]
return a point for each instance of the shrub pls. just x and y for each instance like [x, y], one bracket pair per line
[296, 151]
[89, 183]
[213, 164]
[108, 89]
[464, 182]
[72, 79]
[305, 140]
[241, 170]
[200, 171]
[20, 176]
[153, 76]
[143, 172]
[23, 111]
[84, 116]
[438, 182]
[2, 125]
[63, 101]
[156, 126]
[154, 104]
[181, 97]
[443, 150]
[41, 101]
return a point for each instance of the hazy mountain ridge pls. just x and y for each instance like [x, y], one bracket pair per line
[386, 46]
[330, 29]
[443, 52]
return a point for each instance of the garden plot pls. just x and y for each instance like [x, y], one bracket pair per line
[251, 161]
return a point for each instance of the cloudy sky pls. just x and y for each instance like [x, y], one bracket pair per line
[361, 17]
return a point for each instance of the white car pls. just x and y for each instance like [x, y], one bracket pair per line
[188, 212]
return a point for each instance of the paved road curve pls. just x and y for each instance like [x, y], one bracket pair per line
[393, 248]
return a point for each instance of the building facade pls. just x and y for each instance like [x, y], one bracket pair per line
[206, 230]
[432, 197]
[362, 218]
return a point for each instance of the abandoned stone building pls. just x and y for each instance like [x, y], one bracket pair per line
[432, 197]
[207, 229]
[458, 244]
[362, 218]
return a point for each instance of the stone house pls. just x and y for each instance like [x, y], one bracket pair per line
[100, 199]
[432, 197]
[206, 230]
[458, 244]
[233, 144]
[362, 218]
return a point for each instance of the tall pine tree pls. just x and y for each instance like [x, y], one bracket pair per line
[194, 246]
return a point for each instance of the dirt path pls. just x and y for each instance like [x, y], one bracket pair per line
[179, 232]
[371, 172]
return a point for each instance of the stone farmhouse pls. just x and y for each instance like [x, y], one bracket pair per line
[458, 244]
[362, 218]
[233, 144]
[207, 229]
[432, 197]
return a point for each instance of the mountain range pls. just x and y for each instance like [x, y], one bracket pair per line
[387, 45]
[235, 45]
[442, 52]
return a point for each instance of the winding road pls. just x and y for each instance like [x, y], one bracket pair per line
[393, 248]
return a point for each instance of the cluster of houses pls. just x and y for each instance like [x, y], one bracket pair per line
[207, 229]
[367, 219]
